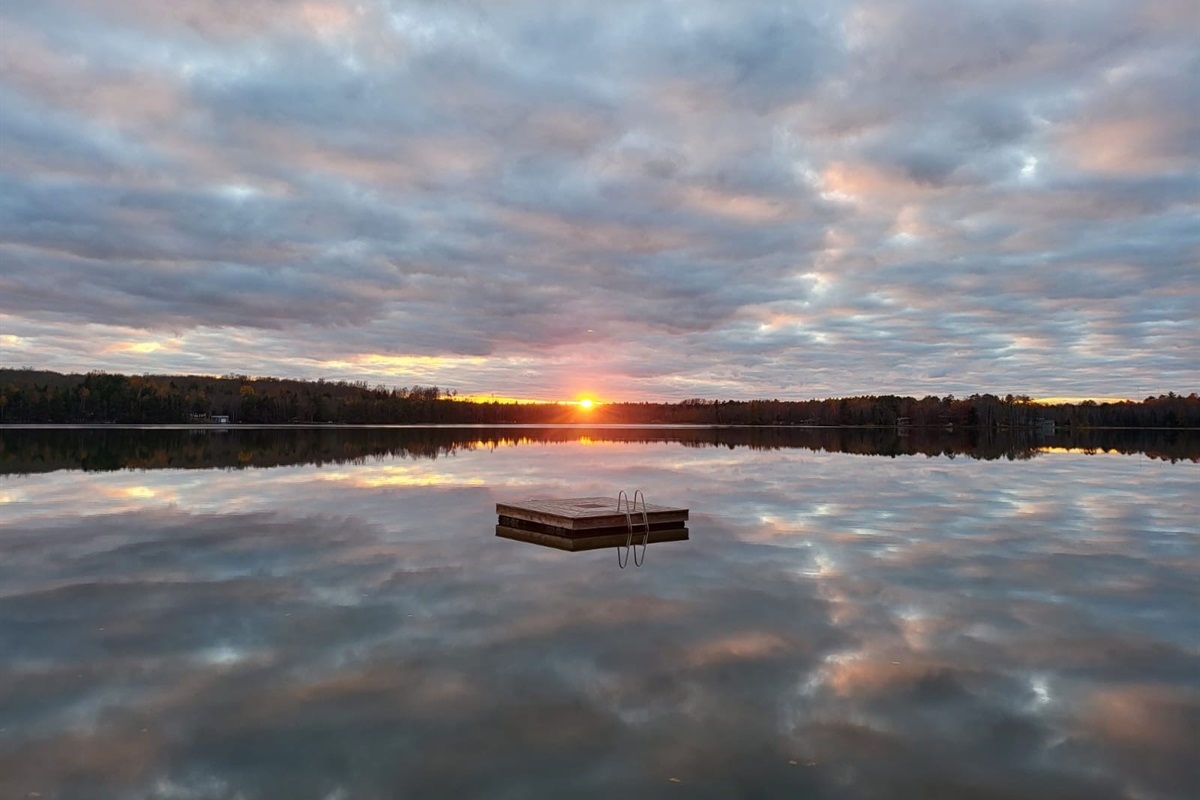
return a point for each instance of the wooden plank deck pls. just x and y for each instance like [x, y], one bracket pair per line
[587, 513]
[580, 543]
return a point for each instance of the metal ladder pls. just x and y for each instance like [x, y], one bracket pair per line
[630, 510]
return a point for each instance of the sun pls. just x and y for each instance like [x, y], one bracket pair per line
[586, 404]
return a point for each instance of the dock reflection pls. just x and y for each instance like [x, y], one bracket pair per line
[593, 541]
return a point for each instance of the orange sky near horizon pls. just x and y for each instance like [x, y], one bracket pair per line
[589, 402]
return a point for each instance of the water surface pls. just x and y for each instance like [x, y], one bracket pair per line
[328, 614]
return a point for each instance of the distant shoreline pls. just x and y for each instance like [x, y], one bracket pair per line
[98, 398]
[532, 425]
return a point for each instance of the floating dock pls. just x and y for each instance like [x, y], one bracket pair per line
[589, 523]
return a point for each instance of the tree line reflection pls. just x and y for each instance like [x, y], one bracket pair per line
[27, 450]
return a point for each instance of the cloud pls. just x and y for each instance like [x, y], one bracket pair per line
[279, 189]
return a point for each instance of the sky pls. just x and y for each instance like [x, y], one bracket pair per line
[629, 201]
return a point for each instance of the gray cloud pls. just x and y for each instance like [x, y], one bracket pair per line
[689, 183]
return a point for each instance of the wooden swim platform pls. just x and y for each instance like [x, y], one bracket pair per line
[589, 523]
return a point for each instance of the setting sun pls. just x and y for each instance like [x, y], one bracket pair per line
[586, 404]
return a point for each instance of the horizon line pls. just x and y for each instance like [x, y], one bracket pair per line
[593, 399]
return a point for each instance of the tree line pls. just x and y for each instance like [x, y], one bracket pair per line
[39, 397]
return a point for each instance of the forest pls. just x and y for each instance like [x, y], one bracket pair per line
[29, 396]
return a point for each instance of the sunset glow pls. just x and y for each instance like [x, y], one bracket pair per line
[492, 398]
[1051, 401]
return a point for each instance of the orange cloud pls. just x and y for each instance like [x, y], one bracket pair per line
[1129, 145]
[740, 207]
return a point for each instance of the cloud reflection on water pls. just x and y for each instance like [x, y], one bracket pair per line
[836, 626]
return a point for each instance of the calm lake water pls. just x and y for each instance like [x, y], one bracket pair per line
[329, 614]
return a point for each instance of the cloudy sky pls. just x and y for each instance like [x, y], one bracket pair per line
[651, 200]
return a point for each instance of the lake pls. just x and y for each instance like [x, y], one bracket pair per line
[328, 613]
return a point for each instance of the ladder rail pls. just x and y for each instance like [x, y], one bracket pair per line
[645, 522]
[630, 509]
[628, 528]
